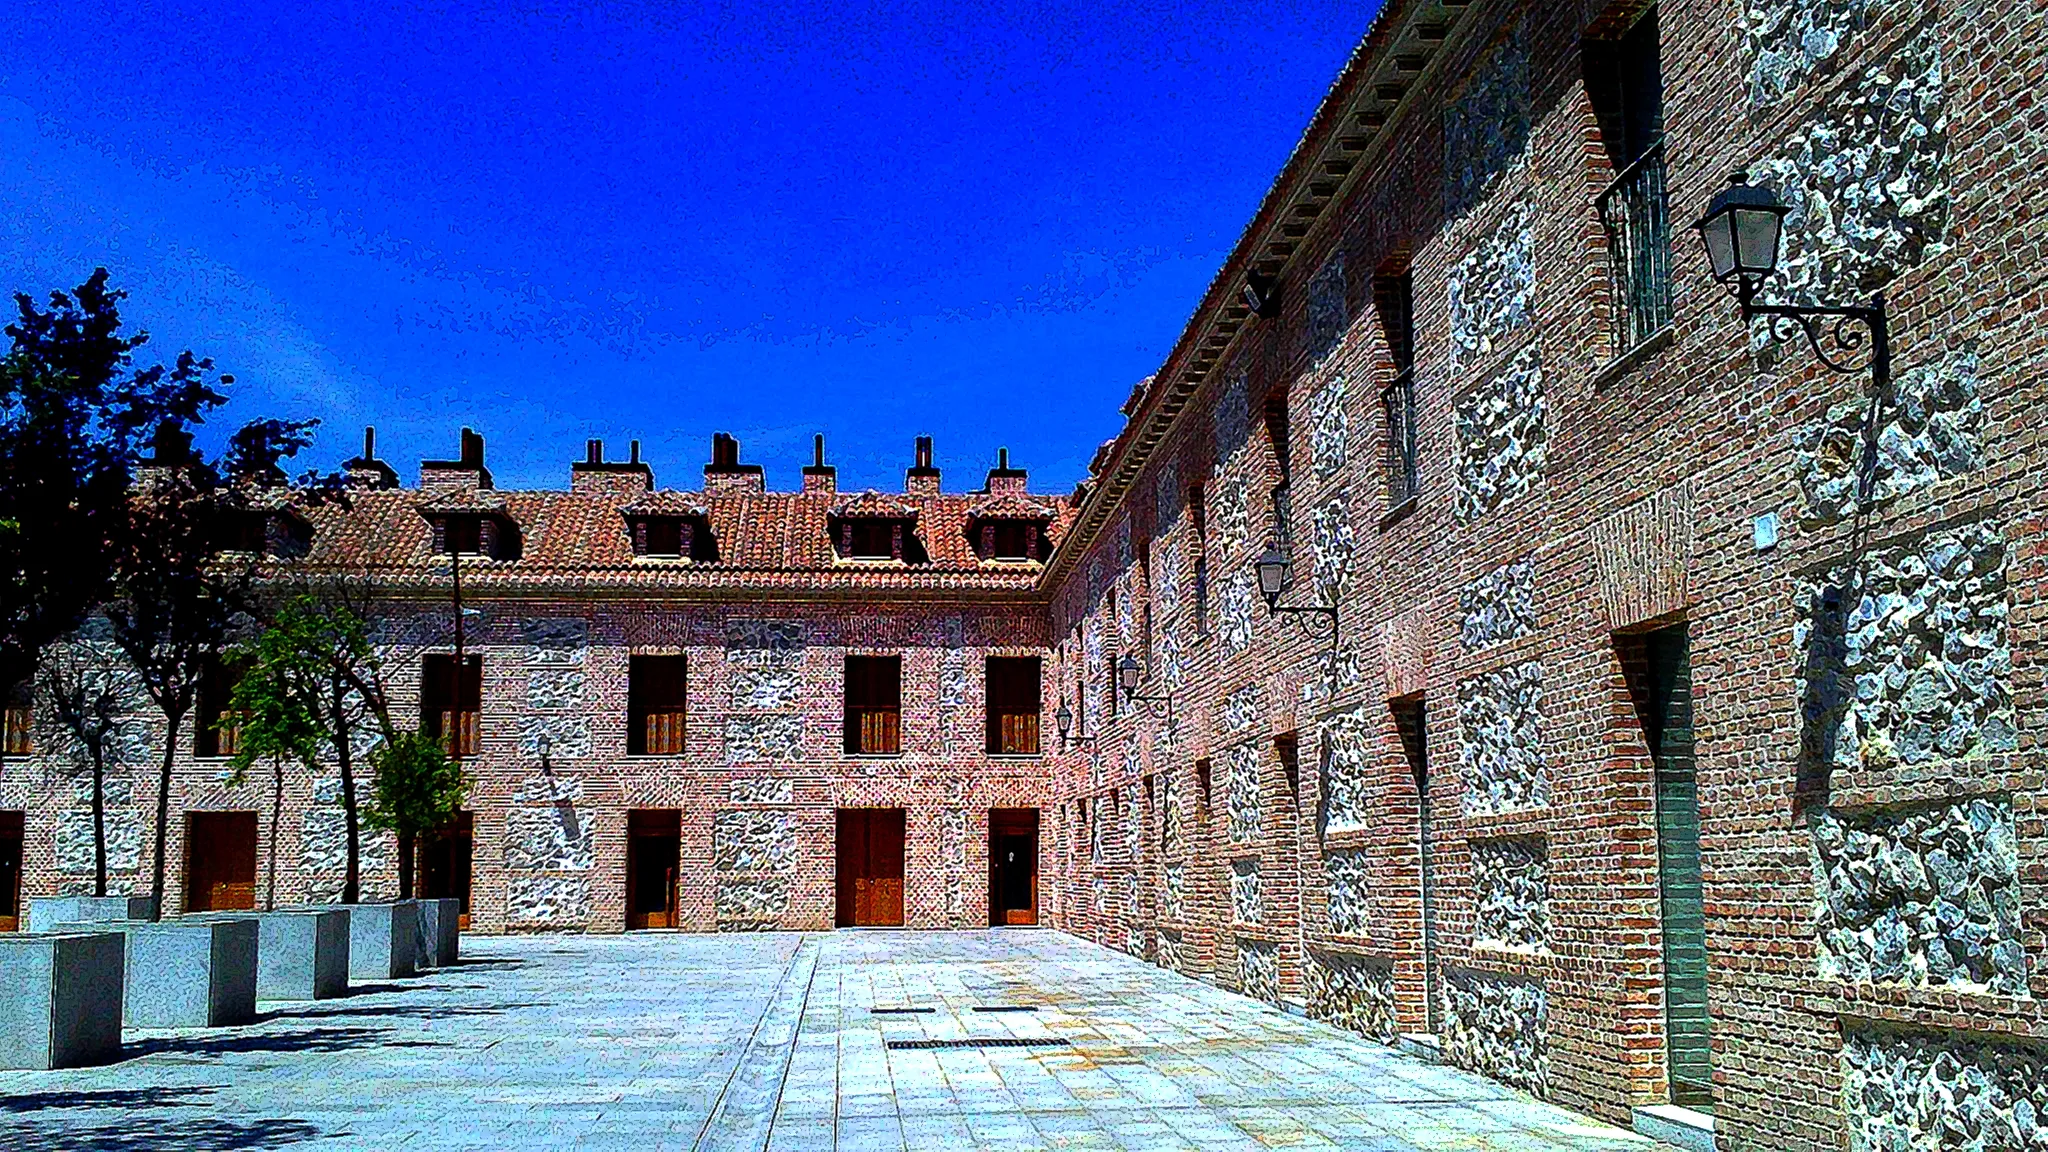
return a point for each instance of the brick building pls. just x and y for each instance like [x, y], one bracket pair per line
[1671, 735]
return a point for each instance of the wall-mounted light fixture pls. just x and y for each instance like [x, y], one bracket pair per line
[1063, 719]
[1128, 674]
[1274, 570]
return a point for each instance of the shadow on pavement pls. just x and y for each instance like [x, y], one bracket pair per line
[411, 1012]
[162, 1136]
[311, 1040]
[111, 1098]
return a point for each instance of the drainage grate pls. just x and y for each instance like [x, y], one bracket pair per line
[986, 1042]
[1006, 1007]
[901, 1011]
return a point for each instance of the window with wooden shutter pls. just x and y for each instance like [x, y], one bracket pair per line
[657, 700]
[1013, 699]
[874, 705]
[217, 730]
[450, 710]
[19, 720]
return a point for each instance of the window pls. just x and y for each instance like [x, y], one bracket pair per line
[449, 711]
[874, 705]
[462, 535]
[1109, 651]
[665, 536]
[17, 723]
[1145, 604]
[872, 539]
[1625, 82]
[1202, 778]
[216, 727]
[1010, 539]
[1394, 297]
[1013, 697]
[246, 532]
[1198, 508]
[657, 695]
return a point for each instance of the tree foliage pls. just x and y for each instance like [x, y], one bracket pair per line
[419, 788]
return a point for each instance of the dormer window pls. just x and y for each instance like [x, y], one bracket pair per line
[472, 522]
[662, 527]
[277, 532]
[1008, 528]
[876, 527]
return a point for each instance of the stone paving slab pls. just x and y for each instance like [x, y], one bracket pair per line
[767, 1043]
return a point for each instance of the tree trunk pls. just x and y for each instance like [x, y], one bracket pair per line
[99, 822]
[276, 814]
[351, 883]
[163, 812]
[405, 849]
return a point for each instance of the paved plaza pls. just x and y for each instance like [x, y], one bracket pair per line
[850, 1040]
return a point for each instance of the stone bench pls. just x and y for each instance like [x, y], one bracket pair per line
[189, 972]
[46, 912]
[383, 940]
[301, 954]
[440, 932]
[61, 1007]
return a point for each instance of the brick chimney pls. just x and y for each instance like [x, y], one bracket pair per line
[820, 476]
[465, 471]
[1004, 480]
[366, 471]
[594, 473]
[725, 473]
[922, 479]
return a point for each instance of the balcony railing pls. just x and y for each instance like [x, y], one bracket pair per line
[1397, 401]
[1637, 216]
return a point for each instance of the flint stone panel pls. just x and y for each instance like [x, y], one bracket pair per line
[1349, 892]
[1491, 290]
[1499, 606]
[1327, 314]
[750, 903]
[765, 687]
[1791, 40]
[1244, 708]
[323, 845]
[74, 841]
[1918, 1090]
[116, 791]
[1235, 611]
[1335, 545]
[1229, 512]
[752, 840]
[953, 860]
[568, 735]
[1916, 663]
[549, 790]
[1866, 182]
[1925, 898]
[560, 640]
[1487, 127]
[1352, 993]
[1166, 495]
[1173, 670]
[1345, 763]
[761, 790]
[383, 939]
[1166, 577]
[1230, 420]
[1933, 423]
[1496, 1026]
[1176, 892]
[1246, 817]
[555, 839]
[1258, 970]
[554, 689]
[1247, 894]
[1511, 891]
[763, 738]
[1501, 714]
[63, 1003]
[1503, 439]
[1329, 427]
[563, 900]
[1171, 827]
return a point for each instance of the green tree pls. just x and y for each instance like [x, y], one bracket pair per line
[419, 788]
[275, 705]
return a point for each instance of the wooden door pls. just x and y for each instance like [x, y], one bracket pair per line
[220, 861]
[11, 824]
[445, 863]
[1013, 866]
[653, 847]
[870, 855]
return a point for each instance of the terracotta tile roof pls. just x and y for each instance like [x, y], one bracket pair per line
[666, 502]
[873, 505]
[578, 540]
[1010, 506]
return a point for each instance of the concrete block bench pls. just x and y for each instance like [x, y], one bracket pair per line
[46, 912]
[440, 926]
[383, 940]
[61, 1005]
[190, 972]
[301, 953]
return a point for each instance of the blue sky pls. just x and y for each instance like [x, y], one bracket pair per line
[552, 222]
